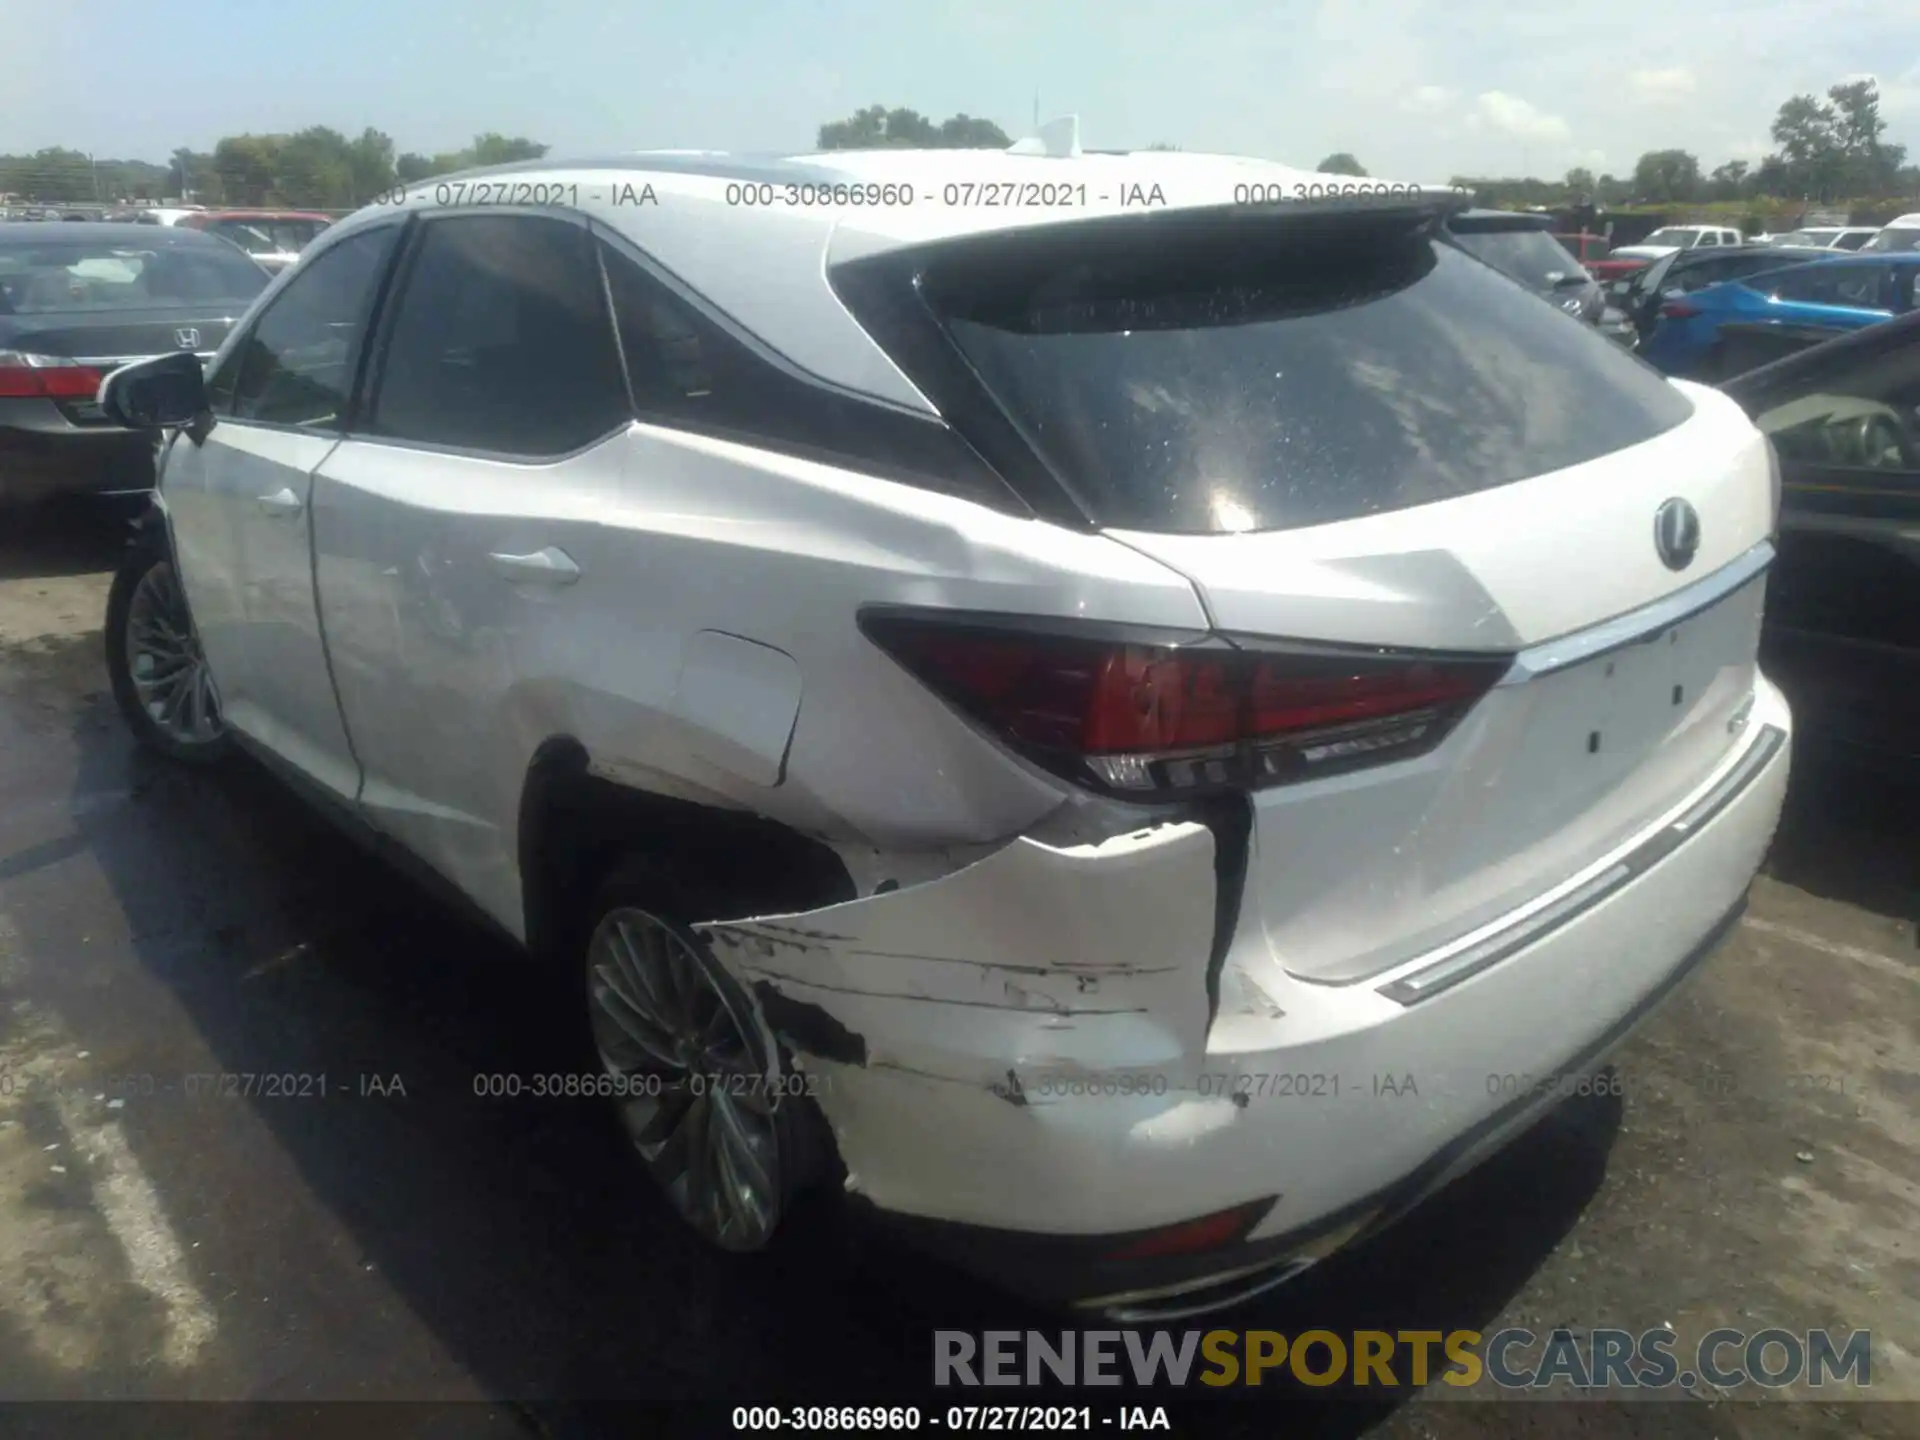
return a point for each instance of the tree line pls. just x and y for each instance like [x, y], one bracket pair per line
[316, 168]
[1830, 148]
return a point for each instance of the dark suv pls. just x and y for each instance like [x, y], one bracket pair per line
[1523, 248]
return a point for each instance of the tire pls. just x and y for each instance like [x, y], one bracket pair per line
[785, 1150]
[144, 590]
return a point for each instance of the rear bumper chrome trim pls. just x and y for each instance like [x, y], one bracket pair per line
[1635, 626]
[1489, 951]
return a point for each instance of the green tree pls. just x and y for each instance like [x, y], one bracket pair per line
[1729, 180]
[1666, 176]
[878, 128]
[246, 165]
[411, 166]
[493, 148]
[1580, 182]
[1341, 162]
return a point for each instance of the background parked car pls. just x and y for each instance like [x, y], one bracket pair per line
[274, 238]
[1524, 248]
[1686, 271]
[76, 301]
[1736, 326]
[1824, 237]
[1843, 602]
[1584, 247]
[1670, 238]
[1897, 236]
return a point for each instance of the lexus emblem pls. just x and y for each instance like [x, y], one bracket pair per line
[187, 338]
[1676, 533]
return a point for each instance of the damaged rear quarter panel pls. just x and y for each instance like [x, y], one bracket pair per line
[1037, 958]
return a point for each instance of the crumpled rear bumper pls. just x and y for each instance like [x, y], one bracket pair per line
[1021, 1060]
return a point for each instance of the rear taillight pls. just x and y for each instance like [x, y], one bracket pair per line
[1678, 310]
[1153, 719]
[25, 376]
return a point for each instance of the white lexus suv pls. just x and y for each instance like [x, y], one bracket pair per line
[1135, 714]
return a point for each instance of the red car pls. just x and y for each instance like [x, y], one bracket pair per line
[1592, 250]
[274, 238]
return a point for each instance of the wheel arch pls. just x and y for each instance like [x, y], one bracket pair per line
[574, 825]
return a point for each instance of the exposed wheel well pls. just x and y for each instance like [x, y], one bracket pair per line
[574, 826]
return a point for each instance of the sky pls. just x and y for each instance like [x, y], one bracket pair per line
[1417, 89]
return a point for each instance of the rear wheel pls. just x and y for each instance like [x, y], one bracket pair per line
[158, 672]
[706, 1096]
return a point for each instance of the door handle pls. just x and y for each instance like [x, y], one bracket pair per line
[282, 502]
[543, 567]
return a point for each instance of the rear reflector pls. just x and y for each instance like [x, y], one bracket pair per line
[1152, 718]
[1209, 1232]
[46, 377]
[1678, 310]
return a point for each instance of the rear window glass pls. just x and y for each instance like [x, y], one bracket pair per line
[268, 237]
[66, 276]
[1895, 241]
[1288, 377]
[1532, 257]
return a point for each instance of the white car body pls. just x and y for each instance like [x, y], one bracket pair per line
[1824, 237]
[1898, 234]
[413, 629]
[1694, 236]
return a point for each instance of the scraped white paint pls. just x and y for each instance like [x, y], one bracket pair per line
[1872, 959]
[1061, 958]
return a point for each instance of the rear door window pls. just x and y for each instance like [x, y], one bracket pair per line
[1291, 374]
[1863, 287]
[502, 341]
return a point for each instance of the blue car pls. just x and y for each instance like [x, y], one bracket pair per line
[1727, 329]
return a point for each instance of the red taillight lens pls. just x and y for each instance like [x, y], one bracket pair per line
[1679, 310]
[1172, 719]
[46, 377]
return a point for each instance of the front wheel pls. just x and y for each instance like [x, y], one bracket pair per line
[159, 674]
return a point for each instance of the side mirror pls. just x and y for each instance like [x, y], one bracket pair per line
[156, 394]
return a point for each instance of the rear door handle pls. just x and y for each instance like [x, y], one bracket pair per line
[543, 567]
[282, 502]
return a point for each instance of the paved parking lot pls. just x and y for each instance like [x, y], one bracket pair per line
[402, 1239]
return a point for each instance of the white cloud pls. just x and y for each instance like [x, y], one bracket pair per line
[1670, 84]
[1510, 115]
[1430, 100]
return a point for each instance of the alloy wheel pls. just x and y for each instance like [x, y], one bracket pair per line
[164, 659]
[694, 1072]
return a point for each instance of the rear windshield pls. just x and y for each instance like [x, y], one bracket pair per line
[1532, 257]
[268, 237]
[75, 275]
[1311, 374]
[1903, 239]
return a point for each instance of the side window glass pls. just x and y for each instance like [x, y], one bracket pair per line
[501, 341]
[683, 368]
[1831, 284]
[295, 366]
[1864, 413]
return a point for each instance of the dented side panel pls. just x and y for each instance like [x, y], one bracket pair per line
[1036, 958]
